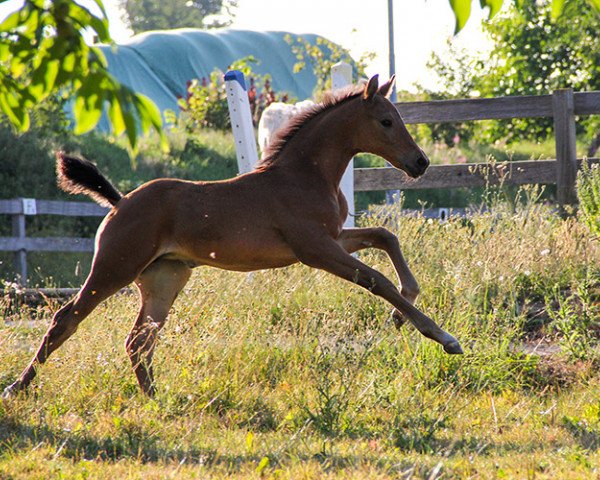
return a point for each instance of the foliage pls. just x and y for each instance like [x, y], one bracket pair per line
[532, 55]
[588, 192]
[462, 8]
[321, 56]
[576, 319]
[205, 105]
[145, 15]
[42, 51]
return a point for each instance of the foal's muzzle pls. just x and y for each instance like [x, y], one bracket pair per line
[418, 165]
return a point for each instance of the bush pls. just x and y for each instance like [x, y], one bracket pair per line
[205, 105]
[588, 191]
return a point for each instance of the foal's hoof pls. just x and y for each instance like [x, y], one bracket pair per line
[453, 348]
[398, 319]
[11, 391]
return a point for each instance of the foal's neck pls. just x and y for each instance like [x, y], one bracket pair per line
[324, 145]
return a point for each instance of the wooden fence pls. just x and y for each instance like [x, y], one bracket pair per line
[562, 105]
[20, 243]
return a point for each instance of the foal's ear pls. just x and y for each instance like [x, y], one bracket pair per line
[386, 88]
[371, 88]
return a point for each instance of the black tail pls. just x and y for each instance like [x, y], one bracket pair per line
[77, 175]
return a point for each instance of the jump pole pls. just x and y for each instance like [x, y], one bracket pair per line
[241, 121]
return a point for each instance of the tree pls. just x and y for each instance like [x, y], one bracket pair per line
[462, 8]
[144, 15]
[42, 51]
[533, 54]
[321, 56]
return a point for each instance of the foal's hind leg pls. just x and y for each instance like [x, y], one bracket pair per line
[110, 272]
[159, 285]
[65, 323]
[355, 239]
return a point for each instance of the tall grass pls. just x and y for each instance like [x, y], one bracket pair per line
[293, 373]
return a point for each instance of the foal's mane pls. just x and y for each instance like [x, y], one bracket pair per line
[295, 124]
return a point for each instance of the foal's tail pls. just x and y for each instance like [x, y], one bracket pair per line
[77, 175]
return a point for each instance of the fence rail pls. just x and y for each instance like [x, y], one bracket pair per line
[462, 175]
[563, 105]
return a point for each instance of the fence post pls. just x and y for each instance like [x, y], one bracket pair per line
[566, 152]
[341, 76]
[20, 258]
[241, 121]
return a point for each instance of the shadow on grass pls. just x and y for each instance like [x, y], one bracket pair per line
[140, 446]
[130, 443]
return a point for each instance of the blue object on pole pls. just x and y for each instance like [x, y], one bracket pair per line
[237, 76]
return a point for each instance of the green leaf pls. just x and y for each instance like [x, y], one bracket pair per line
[87, 109]
[43, 78]
[115, 115]
[87, 112]
[68, 62]
[148, 112]
[14, 20]
[131, 129]
[14, 106]
[8, 111]
[101, 7]
[4, 52]
[85, 19]
[462, 12]
[595, 5]
[557, 8]
[494, 6]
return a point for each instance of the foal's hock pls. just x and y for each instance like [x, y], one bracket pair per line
[289, 209]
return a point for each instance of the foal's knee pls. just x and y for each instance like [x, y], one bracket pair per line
[410, 290]
[385, 238]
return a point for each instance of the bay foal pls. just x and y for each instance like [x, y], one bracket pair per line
[289, 209]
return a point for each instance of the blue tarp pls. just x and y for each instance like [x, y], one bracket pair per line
[159, 64]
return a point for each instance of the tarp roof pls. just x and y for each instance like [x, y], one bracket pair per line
[159, 64]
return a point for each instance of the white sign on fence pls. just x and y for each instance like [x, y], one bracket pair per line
[29, 206]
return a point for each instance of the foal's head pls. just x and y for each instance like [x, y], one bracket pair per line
[383, 132]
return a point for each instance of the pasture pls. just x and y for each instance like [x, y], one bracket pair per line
[294, 373]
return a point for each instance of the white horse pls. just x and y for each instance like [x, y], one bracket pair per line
[275, 116]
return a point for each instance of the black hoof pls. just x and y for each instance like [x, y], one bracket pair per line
[453, 348]
[398, 319]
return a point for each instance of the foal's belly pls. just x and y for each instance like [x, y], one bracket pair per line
[242, 252]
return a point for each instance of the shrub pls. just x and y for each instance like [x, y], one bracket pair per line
[588, 191]
[205, 104]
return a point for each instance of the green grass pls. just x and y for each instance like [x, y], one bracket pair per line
[293, 373]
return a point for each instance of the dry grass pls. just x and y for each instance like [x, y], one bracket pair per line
[296, 374]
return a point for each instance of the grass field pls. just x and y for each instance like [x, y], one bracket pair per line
[295, 374]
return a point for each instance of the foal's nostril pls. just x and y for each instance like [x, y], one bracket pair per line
[422, 162]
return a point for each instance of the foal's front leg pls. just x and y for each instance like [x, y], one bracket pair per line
[326, 254]
[355, 239]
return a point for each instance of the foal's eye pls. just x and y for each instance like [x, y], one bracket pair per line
[386, 122]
